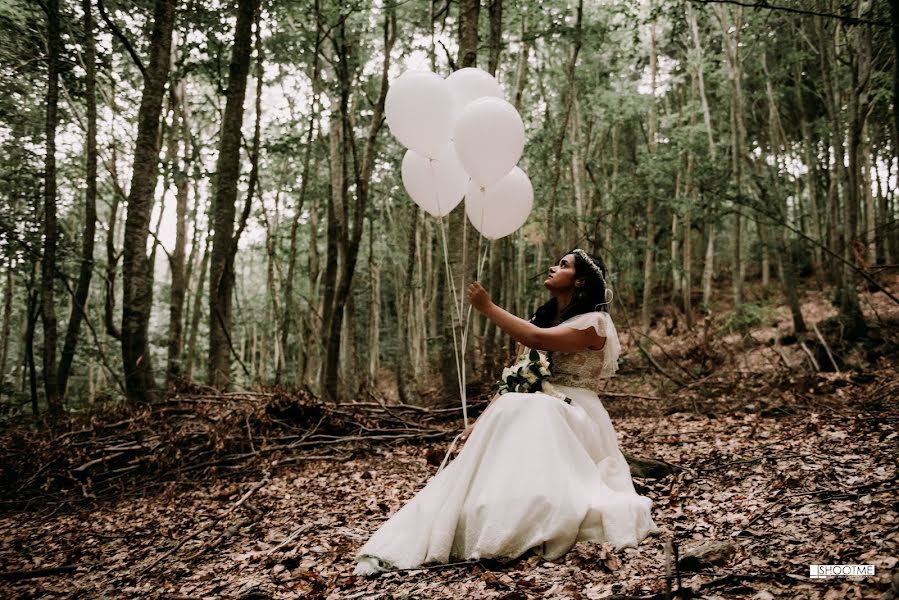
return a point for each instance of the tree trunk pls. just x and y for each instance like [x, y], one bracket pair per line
[178, 289]
[336, 222]
[137, 298]
[289, 303]
[197, 310]
[406, 297]
[48, 261]
[853, 250]
[374, 303]
[708, 267]
[554, 244]
[469, 13]
[738, 136]
[33, 312]
[521, 69]
[495, 41]
[7, 324]
[700, 75]
[778, 145]
[894, 19]
[112, 260]
[811, 162]
[221, 272]
[871, 241]
[362, 171]
[82, 288]
[649, 244]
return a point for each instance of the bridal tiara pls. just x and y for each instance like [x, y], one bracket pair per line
[598, 271]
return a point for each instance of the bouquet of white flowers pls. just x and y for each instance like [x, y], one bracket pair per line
[530, 374]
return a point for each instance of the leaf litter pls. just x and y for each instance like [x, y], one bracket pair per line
[785, 467]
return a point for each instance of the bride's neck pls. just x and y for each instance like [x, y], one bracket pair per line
[562, 301]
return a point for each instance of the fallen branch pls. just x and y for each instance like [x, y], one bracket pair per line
[826, 348]
[35, 573]
[811, 357]
[628, 395]
[655, 364]
[293, 535]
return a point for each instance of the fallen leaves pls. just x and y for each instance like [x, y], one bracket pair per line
[806, 476]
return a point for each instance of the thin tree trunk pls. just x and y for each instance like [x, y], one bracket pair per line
[374, 303]
[362, 170]
[406, 298]
[521, 69]
[811, 162]
[687, 280]
[82, 288]
[178, 289]
[885, 254]
[709, 257]
[555, 246]
[137, 271]
[850, 311]
[894, 19]
[48, 262]
[871, 241]
[197, 310]
[271, 282]
[224, 241]
[336, 222]
[778, 145]
[708, 268]
[112, 260]
[734, 72]
[700, 75]
[649, 244]
[7, 324]
[33, 312]
[289, 303]
[494, 41]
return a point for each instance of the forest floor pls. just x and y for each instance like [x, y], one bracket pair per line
[786, 466]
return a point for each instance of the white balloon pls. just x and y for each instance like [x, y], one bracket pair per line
[500, 209]
[437, 185]
[489, 139]
[471, 83]
[419, 108]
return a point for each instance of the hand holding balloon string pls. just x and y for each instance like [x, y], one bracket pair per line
[478, 297]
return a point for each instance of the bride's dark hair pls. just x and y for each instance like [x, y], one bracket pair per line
[587, 298]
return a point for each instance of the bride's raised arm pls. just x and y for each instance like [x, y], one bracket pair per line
[551, 339]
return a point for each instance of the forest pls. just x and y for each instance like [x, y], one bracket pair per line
[216, 292]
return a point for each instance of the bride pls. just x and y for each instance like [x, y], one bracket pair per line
[536, 473]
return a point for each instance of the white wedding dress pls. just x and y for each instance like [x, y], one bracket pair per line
[536, 474]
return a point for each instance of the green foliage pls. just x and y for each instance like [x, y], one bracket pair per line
[745, 317]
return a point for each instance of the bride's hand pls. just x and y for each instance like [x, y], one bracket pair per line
[478, 297]
[467, 431]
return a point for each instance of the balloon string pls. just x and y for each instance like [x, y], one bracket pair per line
[434, 186]
[468, 314]
[463, 326]
[454, 318]
[481, 261]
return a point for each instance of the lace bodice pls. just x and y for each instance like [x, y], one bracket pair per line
[587, 367]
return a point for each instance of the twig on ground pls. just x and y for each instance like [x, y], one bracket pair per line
[293, 535]
[810, 356]
[35, 573]
[826, 348]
